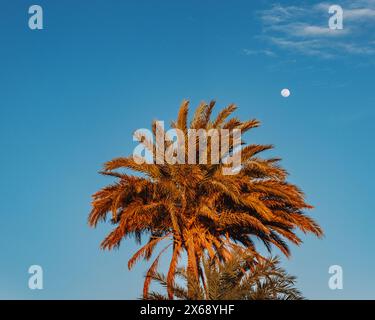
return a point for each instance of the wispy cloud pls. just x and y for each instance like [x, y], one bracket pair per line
[305, 30]
[309, 47]
[250, 52]
[353, 10]
[355, 14]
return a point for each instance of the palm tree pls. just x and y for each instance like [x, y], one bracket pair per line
[241, 277]
[195, 207]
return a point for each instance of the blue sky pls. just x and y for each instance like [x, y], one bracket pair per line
[73, 93]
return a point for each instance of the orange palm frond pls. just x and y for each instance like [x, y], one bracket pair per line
[200, 209]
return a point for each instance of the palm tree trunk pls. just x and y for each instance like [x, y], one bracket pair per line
[192, 272]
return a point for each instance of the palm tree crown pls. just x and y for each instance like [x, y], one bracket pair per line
[198, 209]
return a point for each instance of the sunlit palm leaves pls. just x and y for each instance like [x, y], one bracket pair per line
[242, 277]
[198, 208]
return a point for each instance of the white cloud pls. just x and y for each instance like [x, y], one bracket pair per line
[308, 30]
[278, 13]
[305, 29]
[359, 14]
[307, 47]
[250, 52]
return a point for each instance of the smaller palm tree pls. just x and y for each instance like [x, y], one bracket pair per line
[242, 277]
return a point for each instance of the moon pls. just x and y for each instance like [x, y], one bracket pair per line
[285, 93]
